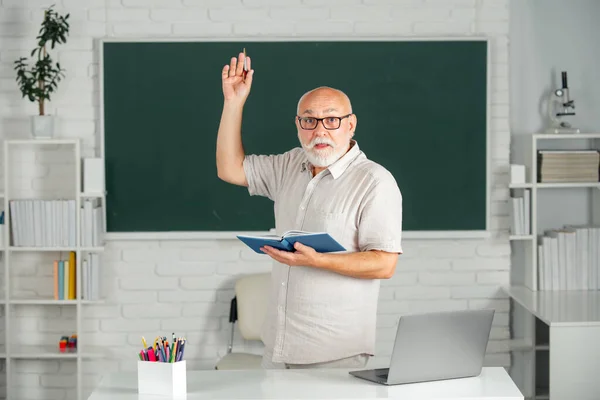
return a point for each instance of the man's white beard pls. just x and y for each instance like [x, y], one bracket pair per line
[321, 158]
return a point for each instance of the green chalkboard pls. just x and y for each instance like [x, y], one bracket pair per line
[421, 109]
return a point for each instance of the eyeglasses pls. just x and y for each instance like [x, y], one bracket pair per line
[329, 123]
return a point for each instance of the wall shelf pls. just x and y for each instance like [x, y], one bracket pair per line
[555, 334]
[13, 348]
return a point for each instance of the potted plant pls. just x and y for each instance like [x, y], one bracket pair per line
[38, 81]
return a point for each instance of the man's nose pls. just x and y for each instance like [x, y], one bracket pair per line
[320, 129]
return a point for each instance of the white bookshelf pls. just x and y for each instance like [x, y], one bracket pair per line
[555, 343]
[12, 350]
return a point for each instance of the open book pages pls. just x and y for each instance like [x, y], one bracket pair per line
[300, 233]
[286, 234]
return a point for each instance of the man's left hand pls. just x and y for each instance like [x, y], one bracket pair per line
[304, 255]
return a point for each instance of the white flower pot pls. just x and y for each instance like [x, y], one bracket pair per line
[42, 126]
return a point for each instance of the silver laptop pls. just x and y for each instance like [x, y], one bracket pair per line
[435, 346]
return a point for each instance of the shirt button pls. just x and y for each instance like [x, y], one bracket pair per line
[282, 283]
[302, 208]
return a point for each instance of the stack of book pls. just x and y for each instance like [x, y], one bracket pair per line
[65, 278]
[52, 223]
[65, 282]
[91, 223]
[568, 165]
[43, 223]
[520, 214]
[90, 277]
[569, 258]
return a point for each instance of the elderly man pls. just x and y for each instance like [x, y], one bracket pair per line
[323, 306]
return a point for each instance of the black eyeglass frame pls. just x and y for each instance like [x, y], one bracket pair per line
[321, 121]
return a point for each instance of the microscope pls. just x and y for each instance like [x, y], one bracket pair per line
[559, 107]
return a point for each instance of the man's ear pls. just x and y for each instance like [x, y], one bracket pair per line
[353, 123]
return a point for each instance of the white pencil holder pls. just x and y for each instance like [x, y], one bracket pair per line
[165, 379]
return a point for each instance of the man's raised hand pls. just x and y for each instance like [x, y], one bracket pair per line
[236, 83]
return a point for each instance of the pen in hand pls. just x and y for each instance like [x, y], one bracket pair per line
[245, 65]
[237, 78]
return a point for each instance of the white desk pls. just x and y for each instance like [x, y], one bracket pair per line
[334, 384]
[560, 357]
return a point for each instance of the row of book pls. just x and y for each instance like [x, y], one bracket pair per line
[65, 278]
[568, 166]
[569, 258]
[92, 218]
[52, 223]
[520, 213]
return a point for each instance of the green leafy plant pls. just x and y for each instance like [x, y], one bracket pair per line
[40, 80]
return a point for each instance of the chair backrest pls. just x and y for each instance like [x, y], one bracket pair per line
[252, 293]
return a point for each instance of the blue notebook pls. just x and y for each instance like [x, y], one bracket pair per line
[322, 242]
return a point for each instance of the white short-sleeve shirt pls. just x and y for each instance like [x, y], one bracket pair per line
[317, 315]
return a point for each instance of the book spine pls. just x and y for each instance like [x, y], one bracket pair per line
[288, 245]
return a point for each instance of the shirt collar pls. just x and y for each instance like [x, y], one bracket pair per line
[337, 168]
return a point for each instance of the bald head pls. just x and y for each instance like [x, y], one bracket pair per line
[324, 99]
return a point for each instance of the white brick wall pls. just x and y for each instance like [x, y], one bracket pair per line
[190, 283]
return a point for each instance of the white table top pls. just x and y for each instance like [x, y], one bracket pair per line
[312, 384]
[560, 307]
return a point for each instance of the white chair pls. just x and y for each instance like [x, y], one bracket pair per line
[249, 309]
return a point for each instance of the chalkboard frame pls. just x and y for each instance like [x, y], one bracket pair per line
[246, 42]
